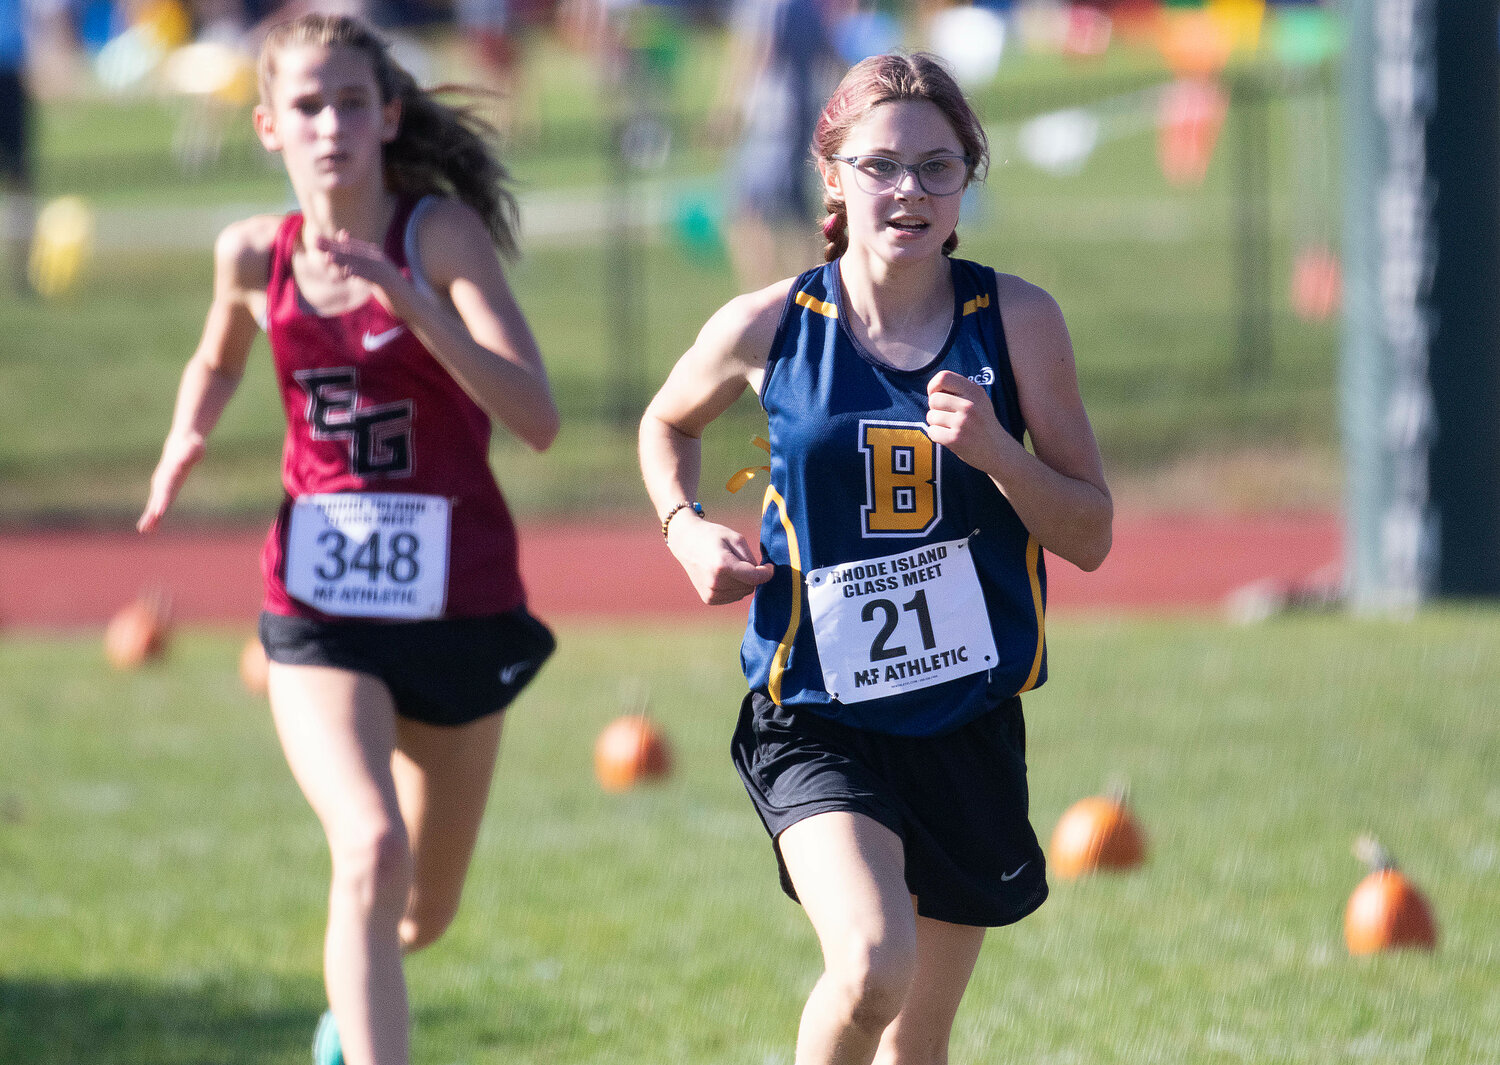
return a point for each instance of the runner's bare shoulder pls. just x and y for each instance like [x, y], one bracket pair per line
[242, 254]
[744, 328]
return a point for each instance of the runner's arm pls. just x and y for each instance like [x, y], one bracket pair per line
[212, 374]
[729, 354]
[1059, 491]
[487, 346]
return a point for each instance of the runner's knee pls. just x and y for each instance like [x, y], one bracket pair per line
[915, 1044]
[870, 981]
[373, 868]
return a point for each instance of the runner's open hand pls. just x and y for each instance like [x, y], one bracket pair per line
[178, 457]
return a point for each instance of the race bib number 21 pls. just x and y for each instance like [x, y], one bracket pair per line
[900, 622]
[371, 555]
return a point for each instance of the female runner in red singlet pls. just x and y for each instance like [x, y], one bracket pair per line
[394, 617]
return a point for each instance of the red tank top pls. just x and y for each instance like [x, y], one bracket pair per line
[370, 410]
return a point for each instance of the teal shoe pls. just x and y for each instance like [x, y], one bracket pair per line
[326, 1048]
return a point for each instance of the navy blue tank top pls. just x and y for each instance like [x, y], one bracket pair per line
[854, 477]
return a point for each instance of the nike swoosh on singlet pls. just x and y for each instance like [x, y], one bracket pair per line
[372, 341]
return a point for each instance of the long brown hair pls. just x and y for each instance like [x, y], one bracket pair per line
[439, 148]
[885, 79]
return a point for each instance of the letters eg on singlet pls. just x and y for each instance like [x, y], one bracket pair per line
[369, 554]
[900, 622]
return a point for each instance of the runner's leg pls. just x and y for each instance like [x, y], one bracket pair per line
[848, 872]
[338, 729]
[946, 954]
[442, 776]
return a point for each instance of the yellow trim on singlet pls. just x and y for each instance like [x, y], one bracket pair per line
[977, 303]
[1033, 559]
[794, 558]
[812, 303]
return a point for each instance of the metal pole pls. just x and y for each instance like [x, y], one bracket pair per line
[1388, 250]
[622, 284]
[1252, 211]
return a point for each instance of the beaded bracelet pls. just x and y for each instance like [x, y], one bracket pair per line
[697, 509]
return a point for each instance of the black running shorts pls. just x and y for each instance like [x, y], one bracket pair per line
[958, 801]
[447, 671]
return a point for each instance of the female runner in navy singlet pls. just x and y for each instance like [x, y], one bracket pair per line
[394, 618]
[900, 586]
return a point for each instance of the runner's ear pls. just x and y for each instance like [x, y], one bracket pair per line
[265, 128]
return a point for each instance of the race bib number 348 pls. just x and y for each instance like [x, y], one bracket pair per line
[901, 622]
[370, 555]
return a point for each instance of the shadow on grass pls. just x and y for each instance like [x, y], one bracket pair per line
[45, 1022]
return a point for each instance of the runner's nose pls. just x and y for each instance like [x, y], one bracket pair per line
[908, 187]
[327, 121]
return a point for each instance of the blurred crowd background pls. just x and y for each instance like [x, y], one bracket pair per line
[1167, 168]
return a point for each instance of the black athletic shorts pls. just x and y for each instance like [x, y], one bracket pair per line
[958, 801]
[447, 671]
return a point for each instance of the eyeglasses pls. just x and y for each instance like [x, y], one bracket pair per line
[940, 175]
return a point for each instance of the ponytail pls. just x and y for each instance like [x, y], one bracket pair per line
[446, 149]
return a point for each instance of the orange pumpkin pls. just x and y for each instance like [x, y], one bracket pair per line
[1096, 833]
[254, 668]
[139, 632]
[1386, 911]
[630, 750]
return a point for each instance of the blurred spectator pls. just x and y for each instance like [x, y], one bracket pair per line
[498, 36]
[782, 67]
[17, 209]
[491, 33]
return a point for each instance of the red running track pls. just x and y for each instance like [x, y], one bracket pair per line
[612, 568]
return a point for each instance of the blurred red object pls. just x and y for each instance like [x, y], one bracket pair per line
[1089, 31]
[1317, 284]
[1192, 115]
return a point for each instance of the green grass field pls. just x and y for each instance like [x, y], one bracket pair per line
[161, 880]
[1145, 273]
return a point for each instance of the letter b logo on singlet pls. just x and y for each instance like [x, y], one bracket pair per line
[379, 436]
[901, 479]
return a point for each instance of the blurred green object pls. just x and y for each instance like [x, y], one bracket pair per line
[1306, 36]
[654, 36]
[698, 225]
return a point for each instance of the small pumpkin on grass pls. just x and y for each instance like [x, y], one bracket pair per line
[140, 631]
[1098, 832]
[1386, 911]
[630, 750]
